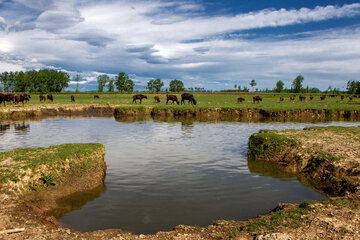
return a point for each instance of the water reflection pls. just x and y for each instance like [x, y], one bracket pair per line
[22, 128]
[4, 128]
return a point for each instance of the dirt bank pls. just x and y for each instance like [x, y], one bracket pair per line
[171, 112]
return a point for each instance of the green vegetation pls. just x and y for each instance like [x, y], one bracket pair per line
[210, 100]
[51, 164]
[284, 218]
[155, 85]
[266, 145]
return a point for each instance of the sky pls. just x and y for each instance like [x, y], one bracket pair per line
[204, 43]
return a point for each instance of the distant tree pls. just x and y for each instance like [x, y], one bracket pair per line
[111, 85]
[353, 87]
[279, 86]
[102, 80]
[77, 80]
[176, 86]
[297, 84]
[252, 84]
[245, 89]
[124, 83]
[155, 85]
[239, 88]
[235, 86]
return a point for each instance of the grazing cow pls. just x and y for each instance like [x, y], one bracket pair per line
[189, 97]
[21, 98]
[302, 98]
[257, 99]
[172, 98]
[157, 99]
[311, 97]
[350, 98]
[96, 96]
[332, 95]
[138, 96]
[292, 98]
[10, 98]
[2, 98]
[322, 97]
[72, 98]
[42, 98]
[240, 99]
[50, 97]
[342, 97]
[281, 99]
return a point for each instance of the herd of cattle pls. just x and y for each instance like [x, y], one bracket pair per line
[24, 98]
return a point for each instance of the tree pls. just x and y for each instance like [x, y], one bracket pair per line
[111, 85]
[353, 87]
[235, 86]
[77, 80]
[297, 84]
[279, 86]
[176, 86]
[253, 84]
[102, 80]
[155, 85]
[124, 83]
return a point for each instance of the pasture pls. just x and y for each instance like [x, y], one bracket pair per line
[204, 101]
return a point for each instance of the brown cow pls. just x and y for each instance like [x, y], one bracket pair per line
[281, 99]
[240, 99]
[72, 98]
[22, 98]
[311, 97]
[138, 96]
[342, 97]
[42, 98]
[292, 98]
[157, 99]
[257, 99]
[322, 97]
[172, 98]
[302, 98]
[96, 96]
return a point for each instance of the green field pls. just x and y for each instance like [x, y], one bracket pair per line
[207, 100]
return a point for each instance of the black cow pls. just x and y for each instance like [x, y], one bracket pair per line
[322, 97]
[2, 98]
[96, 96]
[311, 97]
[302, 98]
[189, 97]
[257, 99]
[72, 98]
[342, 97]
[22, 98]
[138, 96]
[157, 99]
[172, 98]
[50, 97]
[240, 99]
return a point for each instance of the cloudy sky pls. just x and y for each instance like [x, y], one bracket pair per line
[205, 43]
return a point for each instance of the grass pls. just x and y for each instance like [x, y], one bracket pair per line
[284, 218]
[207, 100]
[51, 161]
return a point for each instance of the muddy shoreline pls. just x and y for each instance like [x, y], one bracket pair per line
[246, 114]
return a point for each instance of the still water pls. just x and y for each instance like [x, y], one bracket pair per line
[162, 174]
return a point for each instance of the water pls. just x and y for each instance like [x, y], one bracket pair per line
[162, 174]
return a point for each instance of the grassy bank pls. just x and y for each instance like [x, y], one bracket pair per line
[206, 100]
[327, 157]
[32, 169]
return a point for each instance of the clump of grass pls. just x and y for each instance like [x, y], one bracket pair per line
[266, 145]
[284, 218]
[48, 179]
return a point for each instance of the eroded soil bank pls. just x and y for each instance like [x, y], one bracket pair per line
[173, 112]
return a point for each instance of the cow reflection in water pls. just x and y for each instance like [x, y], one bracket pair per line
[22, 128]
[187, 129]
[4, 128]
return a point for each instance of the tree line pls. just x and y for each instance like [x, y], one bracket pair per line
[46, 80]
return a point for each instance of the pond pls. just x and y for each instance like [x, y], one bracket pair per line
[162, 174]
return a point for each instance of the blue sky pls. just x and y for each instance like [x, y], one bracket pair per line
[205, 43]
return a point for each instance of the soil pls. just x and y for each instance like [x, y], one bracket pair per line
[334, 218]
[246, 114]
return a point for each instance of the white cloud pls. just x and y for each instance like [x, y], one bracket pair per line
[176, 40]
